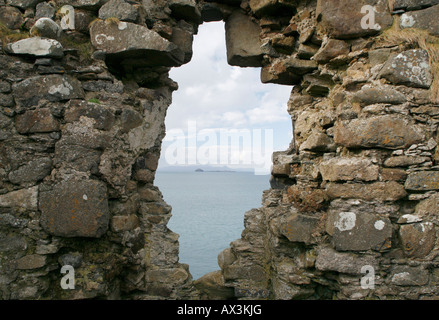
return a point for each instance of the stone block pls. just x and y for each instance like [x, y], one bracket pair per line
[332, 49]
[273, 7]
[404, 161]
[346, 169]
[409, 276]
[37, 47]
[119, 9]
[33, 261]
[20, 199]
[49, 87]
[35, 121]
[318, 142]
[422, 180]
[387, 132]
[300, 228]
[360, 231]
[242, 41]
[330, 260]
[413, 4]
[377, 191]
[102, 114]
[373, 95]
[75, 208]
[410, 68]
[124, 223]
[422, 19]
[417, 239]
[185, 10]
[31, 172]
[11, 17]
[134, 43]
[342, 18]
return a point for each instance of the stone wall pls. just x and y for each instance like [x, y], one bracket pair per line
[84, 92]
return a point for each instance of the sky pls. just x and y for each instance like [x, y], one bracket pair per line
[223, 112]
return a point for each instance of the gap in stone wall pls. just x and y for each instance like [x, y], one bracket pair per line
[214, 96]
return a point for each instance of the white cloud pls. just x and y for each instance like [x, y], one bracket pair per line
[217, 95]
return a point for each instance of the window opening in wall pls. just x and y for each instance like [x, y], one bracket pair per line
[221, 130]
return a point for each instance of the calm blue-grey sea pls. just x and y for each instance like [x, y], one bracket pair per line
[208, 211]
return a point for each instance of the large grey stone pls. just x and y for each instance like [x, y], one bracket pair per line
[422, 19]
[20, 199]
[346, 169]
[75, 208]
[32, 171]
[300, 228]
[410, 68]
[11, 17]
[23, 4]
[372, 95]
[273, 7]
[47, 28]
[119, 9]
[358, 231]
[342, 18]
[413, 4]
[49, 87]
[422, 180]
[38, 120]
[409, 276]
[377, 191]
[381, 131]
[330, 260]
[37, 47]
[185, 10]
[242, 40]
[417, 239]
[129, 42]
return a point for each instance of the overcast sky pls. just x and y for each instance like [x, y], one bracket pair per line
[214, 96]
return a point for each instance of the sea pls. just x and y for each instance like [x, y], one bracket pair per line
[208, 211]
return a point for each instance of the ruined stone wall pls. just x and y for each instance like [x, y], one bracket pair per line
[84, 92]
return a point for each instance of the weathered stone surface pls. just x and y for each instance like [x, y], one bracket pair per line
[185, 10]
[422, 19]
[23, 4]
[124, 223]
[75, 208]
[119, 9]
[417, 239]
[50, 87]
[318, 142]
[330, 260]
[404, 161]
[47, 28]
[377, 191]
[300, 228]
[44, 10]
[360, 231]
[11, 17]
[183, 39]
[372, 95]
[423, 180]
[342, 18]
[410, 68]
[272, 7]
[38, 120]
[36, 46]
[428, 208]
[380, 132]
[413, 4]
[332, 49]
[23, 198]
[391, 174]
[242, 41]
[409, 276]
[346, 169]
[31, 172]
[212, 287]
[33, 261]
[102, 114]
[128, 40]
